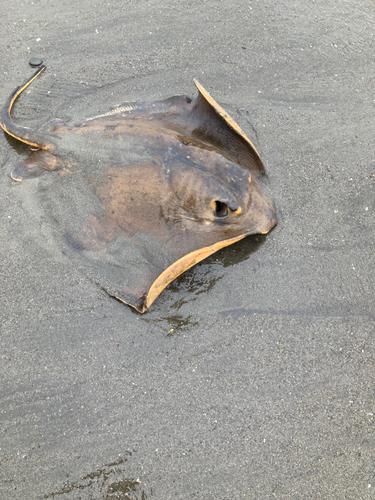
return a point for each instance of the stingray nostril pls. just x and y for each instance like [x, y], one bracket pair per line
[221, 209]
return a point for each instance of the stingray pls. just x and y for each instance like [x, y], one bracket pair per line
[139, 195]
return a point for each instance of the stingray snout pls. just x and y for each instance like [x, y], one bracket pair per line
[268, 221]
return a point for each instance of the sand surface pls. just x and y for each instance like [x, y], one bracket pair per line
[252, 375]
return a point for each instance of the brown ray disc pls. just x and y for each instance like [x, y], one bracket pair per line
[137, 196]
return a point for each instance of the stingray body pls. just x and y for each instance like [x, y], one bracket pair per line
[141, 194]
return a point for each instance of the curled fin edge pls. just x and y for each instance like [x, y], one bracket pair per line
[228, 120]
[176, 269]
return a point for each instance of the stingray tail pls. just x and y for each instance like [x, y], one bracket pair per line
[23, 134]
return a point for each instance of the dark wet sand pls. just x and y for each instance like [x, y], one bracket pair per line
[252, 376]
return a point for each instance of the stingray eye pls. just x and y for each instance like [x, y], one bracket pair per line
[220, 209]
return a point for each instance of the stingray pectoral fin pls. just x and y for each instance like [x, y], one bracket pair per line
[182, 265]
[24, 134]
[35, 165]
[218, 129]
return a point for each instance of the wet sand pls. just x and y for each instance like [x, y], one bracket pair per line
[252, 375]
